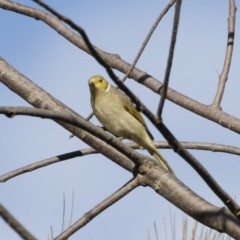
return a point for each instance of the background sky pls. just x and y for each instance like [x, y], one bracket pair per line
[54, 64]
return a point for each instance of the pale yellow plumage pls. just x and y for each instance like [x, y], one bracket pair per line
[119, 116]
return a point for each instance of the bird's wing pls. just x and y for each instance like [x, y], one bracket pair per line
[130, 108]
[134, 112]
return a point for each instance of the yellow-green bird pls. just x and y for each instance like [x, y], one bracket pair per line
[119, 116]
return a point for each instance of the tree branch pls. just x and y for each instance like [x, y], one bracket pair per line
[80, 153]
[123, 191]
[219, 219]
[46, 162]
[170, 59]
[15, 225]
[77, 122]
[146, 40]
[223, 77]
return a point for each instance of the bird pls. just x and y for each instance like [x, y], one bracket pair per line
[116, 112]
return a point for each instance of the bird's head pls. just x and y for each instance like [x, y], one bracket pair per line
[98, 83]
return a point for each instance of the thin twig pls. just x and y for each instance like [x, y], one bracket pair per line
[223, 77]
[155, 229]
[46, 162]
[70, 222]
[146, 40]
[90, 116]
[15, 225]
[123, 191]
[63, 219]
[170, 59]
[87, 119]
[163, 145]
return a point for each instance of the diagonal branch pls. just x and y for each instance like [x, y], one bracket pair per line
[146, 40]
[204, 212]
[80, 153]
[123, 191]
[15, 225]
[170, 59]
[201, 170]
[223, 77]
[46, 162]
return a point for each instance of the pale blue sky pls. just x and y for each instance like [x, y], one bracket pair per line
[60, 68]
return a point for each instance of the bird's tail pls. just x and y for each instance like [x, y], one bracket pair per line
[161, 160]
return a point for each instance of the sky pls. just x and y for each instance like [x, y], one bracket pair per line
[60, 68]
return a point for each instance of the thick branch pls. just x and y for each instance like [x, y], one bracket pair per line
[123, 191]
[220, 219]
[15, 225]
[228, 57]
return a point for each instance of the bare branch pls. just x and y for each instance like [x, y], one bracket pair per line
[80, 153]
[201, 210]
[170, 59]
[114, 61]
[46, 162]
[206, 176]
[15, 225]
[203, 146]
[228, 57]
[77, 122]
[146, 40]
[123, 191]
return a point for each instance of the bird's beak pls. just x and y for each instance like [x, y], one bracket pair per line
[91, 83]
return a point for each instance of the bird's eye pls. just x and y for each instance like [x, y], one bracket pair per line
[100, 80]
